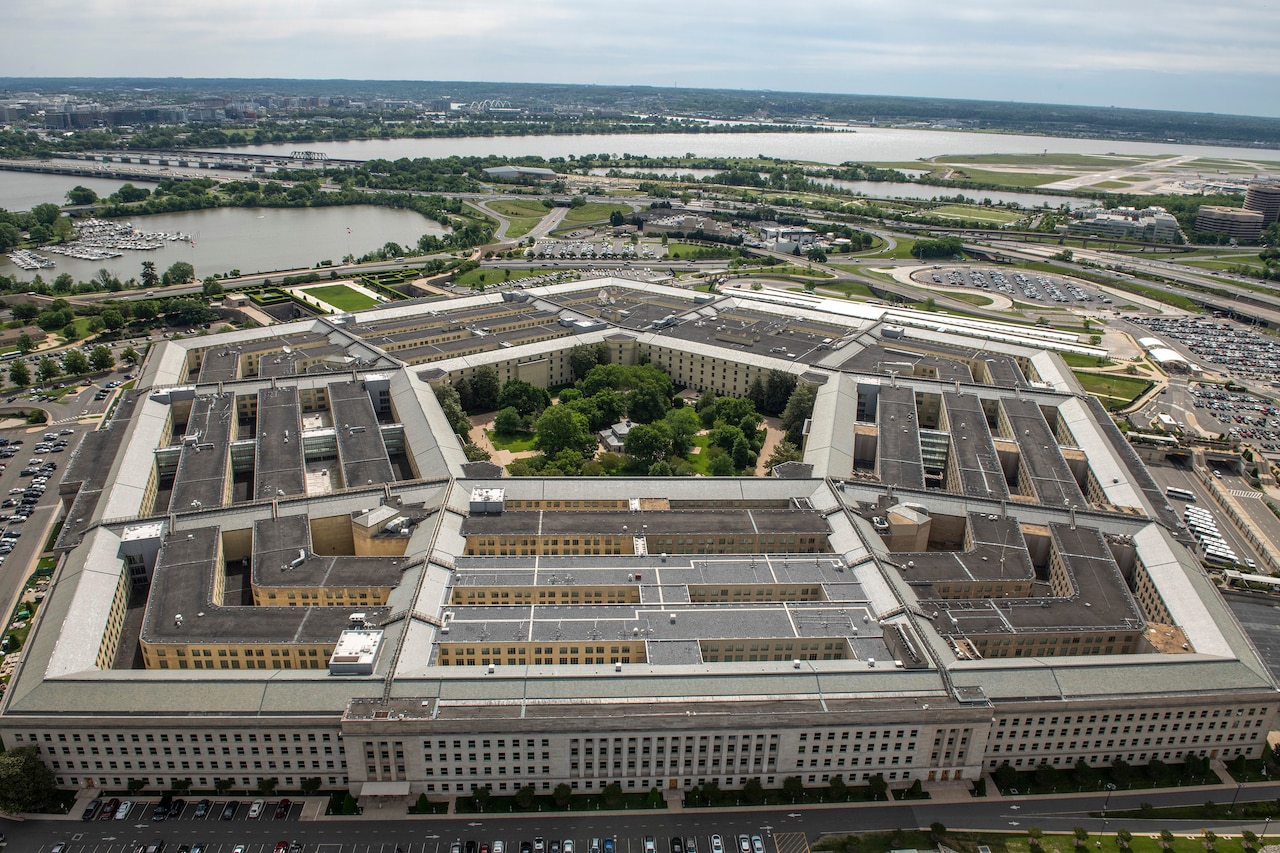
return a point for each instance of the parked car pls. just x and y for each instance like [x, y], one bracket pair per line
[202, 808]
[282, 809]
[229, 810]
[91, 810]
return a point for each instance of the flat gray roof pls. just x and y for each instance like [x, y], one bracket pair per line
[1054, 483]
[279, 542]
[725, 522]
[975, 455]
[360, 449]
[278, 463]
[898, 457]
[183, 585]
[203, 467]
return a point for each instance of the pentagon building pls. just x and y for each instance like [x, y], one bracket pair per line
[278, 563]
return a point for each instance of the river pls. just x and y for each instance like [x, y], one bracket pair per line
[254, 240]
[867, 145]
[21, 191]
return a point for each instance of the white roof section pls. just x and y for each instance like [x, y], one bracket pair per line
[1164, 355]
[1112, 474]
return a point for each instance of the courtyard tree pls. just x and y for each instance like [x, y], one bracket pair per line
[648, 442]
[561, 428]
[527, 398]
[26, 783]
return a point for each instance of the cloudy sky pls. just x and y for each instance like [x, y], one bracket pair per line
[1172, 54]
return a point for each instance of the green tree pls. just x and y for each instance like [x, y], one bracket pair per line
[423, 805]
[1249, 837]
[149, 277]
[562, 795]
[1081, 835]
[180, 273]
[753, 792]
[128, 194]
[48, 369]
[480, 796]
[648, 443]
[211, 287]
[128, 355]
[112, 320]
[20, 374]
[816, 255]
[793, 788]
[136, 785]
[683, 423]
[222, 785]
[74, 362]
[784, 451]
[25, 344]
[508, 421]
[937, 829]
[1123, 837]
[26, 784]
[560, 428]
[1035, 835]
[267, 785]
[799, 409]
[310, 786]
[528, 399]
[485, 386]
[582, 358]
[525, 797]
[612, 794]
[879, 787]
[721, 465]
[46, 214]
[1166, 839]
[81, 195]
[837, 789]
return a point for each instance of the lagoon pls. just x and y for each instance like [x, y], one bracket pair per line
[254, 240]
[21, 191]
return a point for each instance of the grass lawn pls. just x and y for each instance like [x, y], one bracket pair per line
[1007, 179]
[1074, 359]
[594, 211]
[342, 297]
[514, 442]
[977, 213]
[972, 298]
[524, 215]
[491, 276]
[691, 250]
[1050, 160]
[1253, 262]
[849, 289]
[700, 461]
[1114, 391]
[901, 251]
[1110, 185]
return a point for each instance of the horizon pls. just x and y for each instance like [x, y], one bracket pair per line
[1185, 57]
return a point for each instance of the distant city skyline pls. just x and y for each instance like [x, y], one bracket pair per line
[1179, 55]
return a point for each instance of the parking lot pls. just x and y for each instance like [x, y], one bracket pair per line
[1016, 285]
[150, 811]
[1235, 348]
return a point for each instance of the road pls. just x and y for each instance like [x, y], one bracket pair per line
[782, 830]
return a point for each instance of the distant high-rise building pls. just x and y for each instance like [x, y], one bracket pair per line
[1264, 197]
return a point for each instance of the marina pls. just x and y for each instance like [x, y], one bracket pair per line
[29, 260]
[100, 240]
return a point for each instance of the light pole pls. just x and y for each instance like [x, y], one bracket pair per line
[1105, 803]
[1265, 826]
[1239, 785]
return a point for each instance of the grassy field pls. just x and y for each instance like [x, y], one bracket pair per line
[972, 298]
[524, 215]
[977, 213]
[1074, 359]
[1049, 160]
[489, 276]
[1007, 179]
[516, 443]
[851, 289]
[341, 296]
[1224, 264]
[594, 211]
[1112, 390]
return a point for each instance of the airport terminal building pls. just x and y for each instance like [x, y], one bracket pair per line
[278, 563]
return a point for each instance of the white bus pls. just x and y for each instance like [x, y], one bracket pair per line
[1180, 494]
